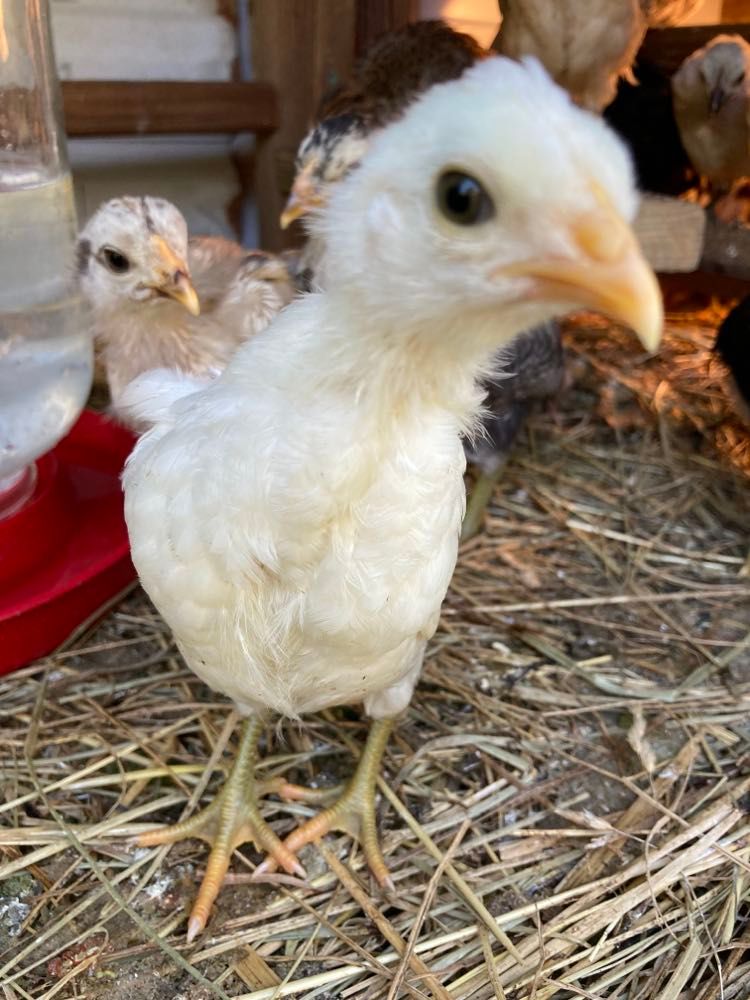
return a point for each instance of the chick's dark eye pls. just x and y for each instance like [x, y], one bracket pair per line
[740, 79]
[462, 199]
[117, 262]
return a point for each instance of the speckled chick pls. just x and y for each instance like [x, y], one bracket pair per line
[159, 299]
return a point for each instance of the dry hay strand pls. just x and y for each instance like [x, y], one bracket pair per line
[564, 808]
[684, 384]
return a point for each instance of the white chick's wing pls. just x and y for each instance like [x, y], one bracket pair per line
[262, 533]
[148, 399]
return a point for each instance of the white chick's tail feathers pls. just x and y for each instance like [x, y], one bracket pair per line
[149, 398]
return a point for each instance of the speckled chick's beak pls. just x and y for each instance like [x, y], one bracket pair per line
[304, 197]
[174, 278]
[609, 274]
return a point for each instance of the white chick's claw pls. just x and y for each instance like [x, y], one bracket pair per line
[296, 575]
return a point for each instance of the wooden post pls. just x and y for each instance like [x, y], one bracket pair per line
[735, 11]
[302, 47]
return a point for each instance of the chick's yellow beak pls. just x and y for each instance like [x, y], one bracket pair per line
[174, 278]
[609, 274]
[304, 197]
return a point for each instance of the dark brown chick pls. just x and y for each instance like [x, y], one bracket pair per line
[535, 372]
[733, 347]
[398, 67]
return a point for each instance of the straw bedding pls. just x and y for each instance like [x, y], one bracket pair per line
[564, 809]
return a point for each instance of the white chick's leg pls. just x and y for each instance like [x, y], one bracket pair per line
[353, 812]
[230, 820]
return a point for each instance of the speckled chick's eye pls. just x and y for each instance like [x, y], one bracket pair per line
[117, 262]
[462, 199]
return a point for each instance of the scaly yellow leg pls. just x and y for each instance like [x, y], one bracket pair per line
[233, 818]
[353, 812]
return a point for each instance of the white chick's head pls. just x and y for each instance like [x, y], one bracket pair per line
[723, 69]
[133, 251]
[494, 196]
[325, 156]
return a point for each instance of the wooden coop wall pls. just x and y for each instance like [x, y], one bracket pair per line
[136, 126]
[204, 102]
[174, 40]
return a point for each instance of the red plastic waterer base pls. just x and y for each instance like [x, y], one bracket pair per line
[65, 553]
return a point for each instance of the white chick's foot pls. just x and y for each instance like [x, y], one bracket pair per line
[353, 812]
[233, 818]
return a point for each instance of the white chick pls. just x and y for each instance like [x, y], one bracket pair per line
[296, 521]
[711, 96]
[160, 300]
[530, 369]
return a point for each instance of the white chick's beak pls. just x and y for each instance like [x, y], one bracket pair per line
[174, 278]
[610, 275]
[304, 197]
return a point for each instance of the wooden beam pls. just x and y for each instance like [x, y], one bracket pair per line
[735, 10]
[109, 108]
[303, 47]
[667, 48]
[681, 237]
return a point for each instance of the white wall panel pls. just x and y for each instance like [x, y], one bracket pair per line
[150, 40]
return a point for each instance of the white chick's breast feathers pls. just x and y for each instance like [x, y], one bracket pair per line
[300, 560]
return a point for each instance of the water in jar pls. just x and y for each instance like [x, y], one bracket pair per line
[45, 344]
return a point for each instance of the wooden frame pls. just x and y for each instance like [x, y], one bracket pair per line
[302, 47]
[110, 108]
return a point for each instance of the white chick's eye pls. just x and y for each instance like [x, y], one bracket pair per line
[115, 261]
[740, 79]
[462, 199]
